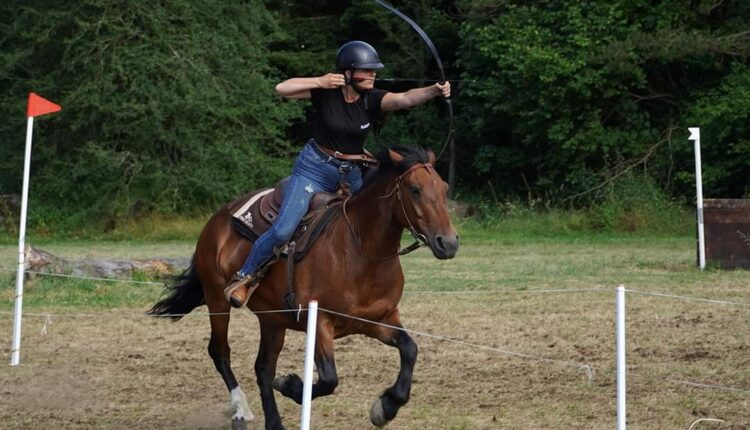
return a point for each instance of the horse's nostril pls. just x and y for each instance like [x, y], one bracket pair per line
[439, 242]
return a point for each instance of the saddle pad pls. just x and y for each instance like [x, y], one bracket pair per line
[245, 213]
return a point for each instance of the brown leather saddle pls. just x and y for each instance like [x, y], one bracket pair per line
[253, 214]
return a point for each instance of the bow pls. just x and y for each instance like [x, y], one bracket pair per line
[435, 55]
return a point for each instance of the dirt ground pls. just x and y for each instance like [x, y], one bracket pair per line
[123, 370]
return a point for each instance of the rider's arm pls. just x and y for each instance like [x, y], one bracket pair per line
[414, 97]
[299, 88]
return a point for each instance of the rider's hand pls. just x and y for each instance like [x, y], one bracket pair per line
[331, 80]
[444, 89]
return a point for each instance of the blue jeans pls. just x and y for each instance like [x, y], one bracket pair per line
[313, 172]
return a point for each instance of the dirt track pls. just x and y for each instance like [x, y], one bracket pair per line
[125, 371]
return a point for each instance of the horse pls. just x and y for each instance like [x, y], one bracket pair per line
[352, 269]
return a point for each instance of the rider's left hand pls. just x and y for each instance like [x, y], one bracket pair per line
[444, 89]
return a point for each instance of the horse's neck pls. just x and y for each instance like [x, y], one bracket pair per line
[372, 216]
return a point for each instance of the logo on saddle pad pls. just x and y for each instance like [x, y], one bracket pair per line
[244, 214]
[364, 126]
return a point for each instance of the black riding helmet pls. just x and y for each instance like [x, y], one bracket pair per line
[357, 55]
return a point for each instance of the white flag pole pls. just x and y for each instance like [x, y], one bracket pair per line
[695, 136]
[15, 357]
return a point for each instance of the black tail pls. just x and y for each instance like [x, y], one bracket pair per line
[184, 295]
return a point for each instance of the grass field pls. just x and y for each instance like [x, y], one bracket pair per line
[111, 367]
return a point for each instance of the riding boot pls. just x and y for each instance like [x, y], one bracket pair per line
[239, 289]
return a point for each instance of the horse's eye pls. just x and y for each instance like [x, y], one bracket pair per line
[414, 190]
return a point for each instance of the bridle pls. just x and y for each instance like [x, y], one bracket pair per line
[419, 239]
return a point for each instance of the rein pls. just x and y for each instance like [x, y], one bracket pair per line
[419, 239]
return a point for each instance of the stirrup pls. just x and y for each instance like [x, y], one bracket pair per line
[250, 283]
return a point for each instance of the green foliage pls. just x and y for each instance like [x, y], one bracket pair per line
[573, 92]
[628, 204]
[166, 106]
[169, 108]
[723, 113]
[635, 203]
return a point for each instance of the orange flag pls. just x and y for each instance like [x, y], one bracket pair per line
[40, 106]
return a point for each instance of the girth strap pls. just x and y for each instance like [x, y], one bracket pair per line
[289, 298]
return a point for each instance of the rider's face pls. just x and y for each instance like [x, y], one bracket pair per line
[367, 77]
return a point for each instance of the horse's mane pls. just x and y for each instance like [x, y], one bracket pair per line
[412, 155]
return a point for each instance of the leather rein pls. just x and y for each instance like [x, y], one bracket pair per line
[419, 239]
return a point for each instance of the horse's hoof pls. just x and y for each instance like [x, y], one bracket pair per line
[239, 424]
[280, 382]
[289, 386]
[377, 415]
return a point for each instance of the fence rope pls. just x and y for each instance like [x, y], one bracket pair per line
[589, 371]
[473, 292]
[140, 315]
[715, 420]
[711, 386]
[581, 366]
[499, 291]
[687, 298]
[89, 278]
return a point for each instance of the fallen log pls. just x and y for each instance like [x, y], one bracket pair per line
[40, 262]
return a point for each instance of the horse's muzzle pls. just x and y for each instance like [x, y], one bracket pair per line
[444, 246]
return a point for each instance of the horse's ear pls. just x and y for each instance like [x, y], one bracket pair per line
[431, 157]
[395, 156]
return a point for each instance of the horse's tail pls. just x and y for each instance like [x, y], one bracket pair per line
[184, 295]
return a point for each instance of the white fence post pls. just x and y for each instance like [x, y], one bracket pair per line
[621, 369]
[312, 320]
[695, 136]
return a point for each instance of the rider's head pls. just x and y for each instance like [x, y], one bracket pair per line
[358, 60]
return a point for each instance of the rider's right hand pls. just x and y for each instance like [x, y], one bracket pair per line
[331, 80]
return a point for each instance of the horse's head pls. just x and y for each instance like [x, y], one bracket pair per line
[422, 201]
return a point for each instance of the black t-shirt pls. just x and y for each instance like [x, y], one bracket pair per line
[343, 126]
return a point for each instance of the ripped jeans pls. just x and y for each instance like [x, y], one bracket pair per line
[313, 172]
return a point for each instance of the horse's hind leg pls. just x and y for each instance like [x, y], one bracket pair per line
[387, 405]
[271, 342]
[218, 349]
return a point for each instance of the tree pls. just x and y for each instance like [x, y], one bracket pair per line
[167, 106]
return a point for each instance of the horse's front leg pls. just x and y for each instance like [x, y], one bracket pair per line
[271, 342]
[387, 405]
[291, 385]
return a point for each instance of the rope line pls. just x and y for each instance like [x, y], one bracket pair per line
[474, 292]
[714, 420]
[712, 386]
[688, 298]
[140, 315]
[581, 366]
[89, 278]
[499, 291]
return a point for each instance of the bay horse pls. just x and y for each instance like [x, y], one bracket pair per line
[353, 269]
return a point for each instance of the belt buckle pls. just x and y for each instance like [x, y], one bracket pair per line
[345, 167]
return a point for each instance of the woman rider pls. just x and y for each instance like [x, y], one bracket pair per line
[345, 104]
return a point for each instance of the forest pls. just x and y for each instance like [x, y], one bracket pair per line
[169, 107]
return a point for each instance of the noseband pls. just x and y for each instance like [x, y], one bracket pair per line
[419, 239]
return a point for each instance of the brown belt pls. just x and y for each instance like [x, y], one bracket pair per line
[364, 157]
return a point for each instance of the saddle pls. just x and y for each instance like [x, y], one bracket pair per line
[253, 215]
